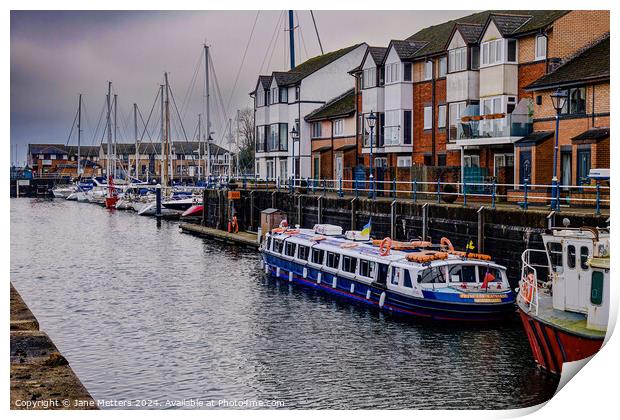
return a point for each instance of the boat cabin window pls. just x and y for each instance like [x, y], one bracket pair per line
[554, 249]
[277, 245]
[333, 260]
[463, 274]
[269, 242]
[433, 275]
[317, 256]
[584, 254]
[596, 288]
[395, 276]
[367, 268]
[407, 278]
[570, 256]
[491, 271]
[349, 264]
[383, 271]
[289, 249]
[302, 252]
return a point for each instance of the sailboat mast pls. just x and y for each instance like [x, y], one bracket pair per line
[161, 151]
[199, 145]
[115, 143]
[109, 124]
[135, 132]
[291, 37]
[167, 130]
[79, 126]
[208, 126]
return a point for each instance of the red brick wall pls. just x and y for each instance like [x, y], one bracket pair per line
[423, 139]
[528, 73]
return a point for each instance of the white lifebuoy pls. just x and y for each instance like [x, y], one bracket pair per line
[352, 289]
[318, 278]
[368, 294]
[334, 282]
[290, 276]
[305, 272]
[382, 300]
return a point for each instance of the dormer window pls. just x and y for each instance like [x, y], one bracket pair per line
[457, 59]
[541, 47]
[391, 73]
[369, 78]
[499, 51]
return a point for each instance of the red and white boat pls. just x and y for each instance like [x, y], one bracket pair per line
[194, 211]
[564, 304]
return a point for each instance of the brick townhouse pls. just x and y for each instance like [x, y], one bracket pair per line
[59, 159]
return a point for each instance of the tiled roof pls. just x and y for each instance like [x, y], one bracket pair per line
[507, 24]
[437, 36]
[593, 134]
[534, 138]
[406, 50]
[341, 105]
[84, 150]
[591, 64]
[470, 32]
[264, 81]
[377, 53]
[182, 147]
[46, 148]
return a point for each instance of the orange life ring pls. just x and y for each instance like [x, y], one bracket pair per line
[318, 238]
[421, 244]
[349, 245]
[446, 242]
[386, 245]
[235, 225]
[424, 257]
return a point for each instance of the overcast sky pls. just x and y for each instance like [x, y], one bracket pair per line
[57, 55]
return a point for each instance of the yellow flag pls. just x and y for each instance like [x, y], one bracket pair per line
[470, 245]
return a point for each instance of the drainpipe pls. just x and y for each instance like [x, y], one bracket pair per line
[593, 122]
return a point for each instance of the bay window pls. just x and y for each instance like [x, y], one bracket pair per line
[369, 78]
[457, 59]
[274, 95]
[392, 127]
[274, 140]
[391, 73]
[260, 138]
[283, 131]
[283, 95]
[499, 51]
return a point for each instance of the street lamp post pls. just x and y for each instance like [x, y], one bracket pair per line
[558, 98]
[371, 119]
[294, 137]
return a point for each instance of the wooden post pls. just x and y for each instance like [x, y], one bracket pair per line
[425, 221]
[481, 229]
[273, 200]
[251, 210]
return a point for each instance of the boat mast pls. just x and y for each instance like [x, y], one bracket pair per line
[199, 145]
[291, 37]
[135, 132]
[161, 151]
[79, 126]
[208, 126]
[167, 130]
[230, 143]
[109, 124]
[115, 156]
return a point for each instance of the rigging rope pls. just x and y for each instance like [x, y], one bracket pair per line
[273, 36]
[316, 29]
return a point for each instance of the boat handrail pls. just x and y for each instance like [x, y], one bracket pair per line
[529, 278]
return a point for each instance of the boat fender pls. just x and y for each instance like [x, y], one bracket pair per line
[277, 271]
[446, 243]
[384, 248]
[262, 264]
[382, 300]
[305, 272]
[352, 289]
[290, 276]
[318, 278]
[334, 282]
[266, 268]
[368, 294]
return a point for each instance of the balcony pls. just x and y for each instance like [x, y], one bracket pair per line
[493, 126]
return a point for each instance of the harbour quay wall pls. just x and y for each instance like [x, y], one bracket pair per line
[41, 378]
[504, 232]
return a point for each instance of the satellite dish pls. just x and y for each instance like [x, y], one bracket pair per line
[566, 222]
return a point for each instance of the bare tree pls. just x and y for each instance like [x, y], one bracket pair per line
[246, 140]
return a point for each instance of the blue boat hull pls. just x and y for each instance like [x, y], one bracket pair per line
[430, 307]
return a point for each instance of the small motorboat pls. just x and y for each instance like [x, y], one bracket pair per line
[194, 211]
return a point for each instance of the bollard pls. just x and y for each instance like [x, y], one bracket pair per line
[158, 201]
[598, 198]
[439, 190]
[415, 191]
[464, 193]
[340, 193]
[493, 196]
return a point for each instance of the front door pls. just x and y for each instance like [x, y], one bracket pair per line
[525, 166]
[566, 170]
[339, 167]
[583, 166]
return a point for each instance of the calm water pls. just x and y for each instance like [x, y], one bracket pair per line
[146, 312]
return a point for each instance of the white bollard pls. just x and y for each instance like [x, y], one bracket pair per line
[382, 300]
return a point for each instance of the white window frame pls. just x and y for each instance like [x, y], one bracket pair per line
[369, 78]
[441, 116]
[275, 95]
[52, 157]
[469, 160]
[443, 66]
[428, 117]
[457, 60]
[339, 127]
[283, 169]
[503, 157]
[428, 70]
[391, 130]
[541, 55]
[403, 162]
[316, 130]
[392, 72]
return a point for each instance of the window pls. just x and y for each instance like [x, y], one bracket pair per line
[274, 140]
[428, 117]
[391, 73]
[283, 95]
[407, 124]
[41, 156]
[541, 47]
[349, 264]
[283, 169]
[260, 98]
[277, 246]
[269, 243]
[471, 161]
[583, 257]
[302, 252]
[475, 58]
[367, 268]
[395, 275]
[296, 93]
[554, 250]
[283, 127]
[433, 275]
[317, 256]
[289, 249]
[392, 127]
[274, 95]
[496, 275]
[576, 101]
[441, 117]
[441, 159]
[52, 157]
[407, 72]
[428, 70]
[369, 78]
[333, 260]
[511, 53]
[492, 51]
[260, 138]
[463, 274]
[443, 66]
[267, 97]
[339, 127]
[457, 110]
[492, 106]
[457, 59]
[403, 162]
[596, 288]
[570, 256]
[502, 160]
[316, 130]
[407, 279]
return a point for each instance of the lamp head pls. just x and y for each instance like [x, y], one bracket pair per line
[558, 98]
